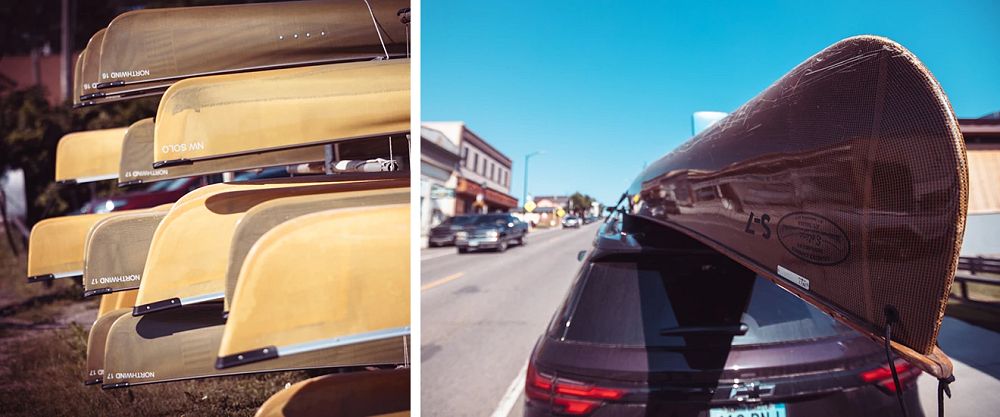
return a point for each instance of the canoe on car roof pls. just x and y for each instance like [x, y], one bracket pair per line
[89, 156]
[167, 44]
[171, 278]
[845, 182]
[181, 344]
[136, 165]
[265, 216]
[111, 308]
[226, 115]
[321, 281]
[364, 393]
[116, 250]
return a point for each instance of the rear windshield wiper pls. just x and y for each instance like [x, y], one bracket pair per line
[734, 330]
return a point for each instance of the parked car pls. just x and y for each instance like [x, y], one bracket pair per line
[444, 233]
[659, 324]
[157, 193]
[571, 221]
[590, 219]
[491, 231]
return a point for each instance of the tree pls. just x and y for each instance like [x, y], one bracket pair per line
[30, 129]
[580, 203]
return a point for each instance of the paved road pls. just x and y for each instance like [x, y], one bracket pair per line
[481, 314]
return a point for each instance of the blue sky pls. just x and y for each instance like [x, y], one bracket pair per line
[606, 86]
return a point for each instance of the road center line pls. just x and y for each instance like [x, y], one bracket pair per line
[430, 256]
[442, 281]
[513, 393]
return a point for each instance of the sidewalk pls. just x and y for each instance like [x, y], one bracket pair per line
[975, 351]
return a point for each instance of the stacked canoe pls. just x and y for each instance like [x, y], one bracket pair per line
[309, 271]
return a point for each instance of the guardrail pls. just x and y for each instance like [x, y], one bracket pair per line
[979, 264]
[974, 266]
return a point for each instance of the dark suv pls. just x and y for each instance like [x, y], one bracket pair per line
[656, 324]
[444, 233]
[491, 231]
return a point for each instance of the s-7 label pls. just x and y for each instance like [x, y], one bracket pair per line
[754, 223]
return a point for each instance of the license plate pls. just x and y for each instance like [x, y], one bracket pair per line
[473, 243]
[762, 410]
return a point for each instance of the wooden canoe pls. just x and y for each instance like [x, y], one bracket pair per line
[845, 183]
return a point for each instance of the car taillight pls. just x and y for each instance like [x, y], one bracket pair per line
[882, 376]
[564, 396]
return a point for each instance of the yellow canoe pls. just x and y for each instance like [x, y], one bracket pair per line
[77, 79]
[164, 44]
[137, 159]
[56, 246]
[115, 301]
[96, 342]
[322, 281]
[88, 76]
[363, 393]
[116, 249]
[188, 256]
[262, 218]
[226, 115]
[89, 155]
[112, 307]
[181, 344]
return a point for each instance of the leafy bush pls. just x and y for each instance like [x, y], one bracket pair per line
[30, 129]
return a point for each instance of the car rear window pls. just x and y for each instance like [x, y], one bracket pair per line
[491, 218]
[460, 220]
[630, 303]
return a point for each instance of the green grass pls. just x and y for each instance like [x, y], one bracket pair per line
[42, 361]
[14, 289]
[42, 374]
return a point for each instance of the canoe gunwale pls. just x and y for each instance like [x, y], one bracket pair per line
[271, 352]
[190, 161]
[113, 84]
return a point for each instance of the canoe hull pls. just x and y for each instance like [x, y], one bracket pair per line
[845, 182]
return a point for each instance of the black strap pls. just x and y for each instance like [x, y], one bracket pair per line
[943, 389]
[892, 364]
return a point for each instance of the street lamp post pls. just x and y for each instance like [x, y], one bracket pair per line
[524, 196]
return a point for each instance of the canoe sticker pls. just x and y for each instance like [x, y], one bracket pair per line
[793, 277]
[813, 238]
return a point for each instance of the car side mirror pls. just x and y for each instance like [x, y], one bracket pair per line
[581, 255]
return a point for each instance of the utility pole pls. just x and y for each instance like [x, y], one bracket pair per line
[66, 55]
[524, 196]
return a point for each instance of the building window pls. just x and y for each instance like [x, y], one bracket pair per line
[465, 156]
[475, 162]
